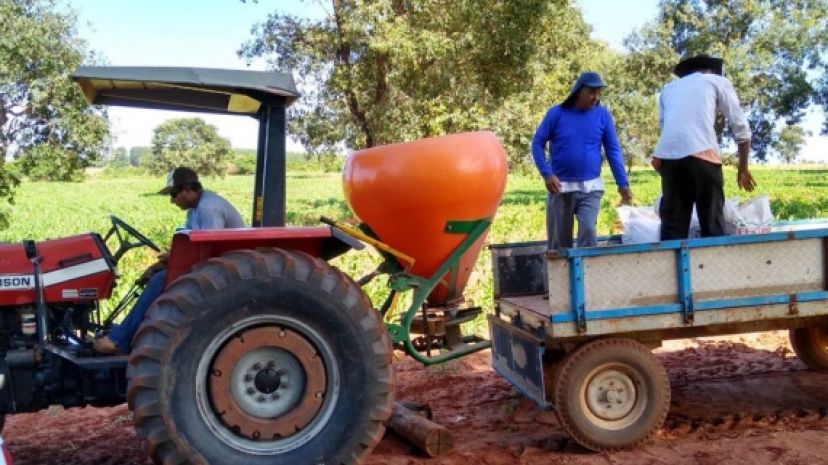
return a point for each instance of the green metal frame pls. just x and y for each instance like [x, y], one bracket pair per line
[402, 282]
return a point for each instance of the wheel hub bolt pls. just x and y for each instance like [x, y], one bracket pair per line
[257, 366]
[250, 390]
[262, 398]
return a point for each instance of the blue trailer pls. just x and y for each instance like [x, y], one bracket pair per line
[573, 329]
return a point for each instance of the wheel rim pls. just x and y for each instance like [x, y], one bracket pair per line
[267, 384]
[614, 396]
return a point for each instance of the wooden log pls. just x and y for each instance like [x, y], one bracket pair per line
[430, 437]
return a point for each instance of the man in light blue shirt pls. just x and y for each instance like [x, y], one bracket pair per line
[205, 210]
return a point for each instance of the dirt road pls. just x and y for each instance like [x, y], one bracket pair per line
[737, 400]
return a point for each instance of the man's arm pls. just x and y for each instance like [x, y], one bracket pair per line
[728, 105]
[743, 177]
[542, 137]
[615, 158]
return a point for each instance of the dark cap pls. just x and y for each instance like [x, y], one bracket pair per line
[695, 63]
[181, 176]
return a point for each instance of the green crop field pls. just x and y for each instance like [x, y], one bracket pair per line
[50, 210]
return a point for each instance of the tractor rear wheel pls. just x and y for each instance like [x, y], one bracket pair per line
[611, 394]
[261, 357]
[811, 346]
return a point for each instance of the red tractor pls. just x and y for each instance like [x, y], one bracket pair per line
[259, 351]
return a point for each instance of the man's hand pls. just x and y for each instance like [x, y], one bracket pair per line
[626, 195]
[745, 180]
[553, 184]
[150, 271]
[656, 164]
[163, 257]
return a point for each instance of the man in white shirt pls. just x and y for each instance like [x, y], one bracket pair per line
[688, 156]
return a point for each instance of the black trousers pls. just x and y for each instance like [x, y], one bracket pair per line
[685, 182]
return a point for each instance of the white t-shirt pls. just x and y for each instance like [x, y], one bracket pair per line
[687, 114]
[586, 187]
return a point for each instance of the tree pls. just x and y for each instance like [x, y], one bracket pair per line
[44, 121]
[774, 52]
[139, 156]
[188, 142]
[789, 143]
[119, 158]
[394, 70]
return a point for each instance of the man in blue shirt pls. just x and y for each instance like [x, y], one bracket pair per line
[575, 131]
[205, 210]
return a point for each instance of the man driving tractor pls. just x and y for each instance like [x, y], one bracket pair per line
[205, 210]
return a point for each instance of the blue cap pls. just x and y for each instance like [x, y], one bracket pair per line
[587, 79]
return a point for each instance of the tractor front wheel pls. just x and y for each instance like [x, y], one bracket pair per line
[258, 357]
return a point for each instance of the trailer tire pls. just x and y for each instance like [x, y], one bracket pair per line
[261, 357]
[811, 346]
[611, 394]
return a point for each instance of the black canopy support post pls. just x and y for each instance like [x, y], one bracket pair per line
[271, 171]
[258, 182]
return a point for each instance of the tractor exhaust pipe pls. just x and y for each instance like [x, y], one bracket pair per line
[40, 306]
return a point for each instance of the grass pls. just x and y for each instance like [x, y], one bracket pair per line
[50, 210]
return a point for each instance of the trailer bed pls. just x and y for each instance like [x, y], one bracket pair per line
[670, 289]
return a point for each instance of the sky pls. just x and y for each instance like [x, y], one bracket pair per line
[207, 33]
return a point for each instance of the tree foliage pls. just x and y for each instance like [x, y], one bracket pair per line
[789, 143]
[139, 156]
[188, 142]
[774, 52]
[394, 70]
[44, 121]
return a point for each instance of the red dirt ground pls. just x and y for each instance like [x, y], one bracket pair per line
[738, 400]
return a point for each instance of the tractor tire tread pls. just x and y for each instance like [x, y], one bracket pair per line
[167, 316]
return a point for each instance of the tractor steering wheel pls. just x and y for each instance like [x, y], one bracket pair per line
[119, 227]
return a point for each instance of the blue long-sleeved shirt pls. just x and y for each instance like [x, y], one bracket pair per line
[575, 138]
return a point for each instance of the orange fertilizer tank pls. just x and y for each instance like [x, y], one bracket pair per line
[407, 193]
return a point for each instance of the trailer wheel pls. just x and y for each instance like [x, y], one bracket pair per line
[811, 346]
[611, 394]
[261, 357]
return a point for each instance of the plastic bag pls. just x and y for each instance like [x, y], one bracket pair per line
[641, 224]
[731, 215]
[756, 212]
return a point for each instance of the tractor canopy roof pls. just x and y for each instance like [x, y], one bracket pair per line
[210, 90]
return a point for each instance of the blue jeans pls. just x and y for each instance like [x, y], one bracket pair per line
[561, 211]
[123, 333]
